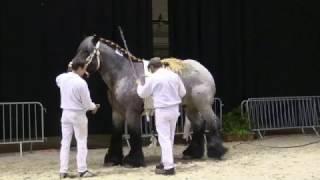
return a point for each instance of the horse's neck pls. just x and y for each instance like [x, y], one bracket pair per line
[113, 70]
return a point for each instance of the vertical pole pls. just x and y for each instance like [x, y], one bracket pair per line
[10, 123]
[17, 123]
[21, 149]
[29, 121]
[36, 122]
[42, 122]
[3, 123]
[31, 147]
[23, 122]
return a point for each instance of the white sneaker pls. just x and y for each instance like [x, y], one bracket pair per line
[86, 174]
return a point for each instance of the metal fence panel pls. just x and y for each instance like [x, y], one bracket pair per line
[21, 122]
[277, 113]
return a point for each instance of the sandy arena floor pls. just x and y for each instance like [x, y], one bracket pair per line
[243, 162]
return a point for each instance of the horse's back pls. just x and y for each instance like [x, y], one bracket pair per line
[202, 72]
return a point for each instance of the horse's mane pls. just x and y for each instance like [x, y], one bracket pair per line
[117, 47]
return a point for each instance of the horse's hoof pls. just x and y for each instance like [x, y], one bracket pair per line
[216, 151]
[112, 160]
[187, 157]
[193, 152]
[134, 161]
[108, 164]
[131, 166]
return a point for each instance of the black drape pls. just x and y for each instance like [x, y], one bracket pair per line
[253, 48]
[38, 39]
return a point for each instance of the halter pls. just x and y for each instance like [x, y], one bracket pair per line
[95, 52]
[89, 59]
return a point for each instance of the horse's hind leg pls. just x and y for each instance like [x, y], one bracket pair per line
[115, 154]
[135, 158]
[196, 148]
[215, 148]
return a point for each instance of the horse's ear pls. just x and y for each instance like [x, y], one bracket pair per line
[95, 39]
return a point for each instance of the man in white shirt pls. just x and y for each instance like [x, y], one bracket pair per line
[75, 102]
[167, 90]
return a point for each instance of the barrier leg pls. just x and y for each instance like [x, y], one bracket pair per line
[128, 143]
[31, 147]
[205, 145]
[302, 130]
[20, 144]
[260, 135]
[315, 131]
[264, 133]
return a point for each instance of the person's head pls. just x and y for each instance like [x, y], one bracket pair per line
[154, 64]
[79, 67]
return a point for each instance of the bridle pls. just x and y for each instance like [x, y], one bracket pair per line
[95, 52]
[89, 59]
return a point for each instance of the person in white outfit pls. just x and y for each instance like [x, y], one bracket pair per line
[167, 90]
[75, 102]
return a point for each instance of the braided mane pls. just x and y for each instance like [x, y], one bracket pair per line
[123, 51]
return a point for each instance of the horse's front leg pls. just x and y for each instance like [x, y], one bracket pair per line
[135, 158]
[115, 153]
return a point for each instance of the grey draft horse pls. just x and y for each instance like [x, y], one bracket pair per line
[115, 68]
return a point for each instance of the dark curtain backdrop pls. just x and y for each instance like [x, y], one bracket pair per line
[253, 48]
[39, 38]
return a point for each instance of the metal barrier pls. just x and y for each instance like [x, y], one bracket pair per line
[217, 108]
[21, 122]
[277, 113]
[148, 128]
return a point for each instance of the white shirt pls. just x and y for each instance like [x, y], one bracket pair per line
[74, 92]
[165, 87]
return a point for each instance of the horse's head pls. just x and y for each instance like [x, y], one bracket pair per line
[89, 52]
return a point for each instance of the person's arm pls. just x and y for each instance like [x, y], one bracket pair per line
[182, 89]
[146, 89]
[85, 97]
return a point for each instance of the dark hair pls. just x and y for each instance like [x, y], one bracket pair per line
[78, 64]
[155, 63]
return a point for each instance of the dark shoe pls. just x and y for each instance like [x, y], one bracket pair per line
[64, 175]
[166, 172]
[159, 166]
[86, 174]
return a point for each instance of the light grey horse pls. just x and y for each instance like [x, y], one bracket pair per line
[112, 62]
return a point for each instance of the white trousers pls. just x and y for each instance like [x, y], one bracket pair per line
[74, 122]
[166, 120]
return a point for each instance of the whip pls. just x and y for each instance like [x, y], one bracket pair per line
[129, 56]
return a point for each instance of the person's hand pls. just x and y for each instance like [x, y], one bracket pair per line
[138, 82]
[95, 110]
[69, 68]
